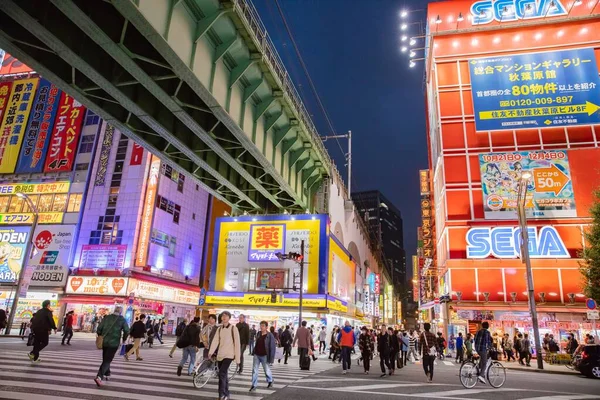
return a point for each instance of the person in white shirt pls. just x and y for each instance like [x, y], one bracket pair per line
[322, 340]
[226, 345]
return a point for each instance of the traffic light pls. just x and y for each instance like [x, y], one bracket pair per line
[295, 256]
[274, 297]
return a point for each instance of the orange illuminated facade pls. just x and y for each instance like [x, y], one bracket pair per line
[491, 285]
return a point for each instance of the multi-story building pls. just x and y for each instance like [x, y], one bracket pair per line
[512, 100]
[142, 236]
[384, 222]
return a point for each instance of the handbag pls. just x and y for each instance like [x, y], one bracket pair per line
[100, 338]
[279, 353]
[123, 349]
[30, 339]
[432, 349]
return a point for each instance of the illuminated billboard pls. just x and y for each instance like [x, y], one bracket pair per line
[244, 246]
[535, 90]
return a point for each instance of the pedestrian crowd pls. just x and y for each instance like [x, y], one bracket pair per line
[222, 343]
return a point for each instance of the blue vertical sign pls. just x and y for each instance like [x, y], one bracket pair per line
[39, 128]
[535, 90]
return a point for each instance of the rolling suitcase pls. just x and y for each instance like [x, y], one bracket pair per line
[305, 362]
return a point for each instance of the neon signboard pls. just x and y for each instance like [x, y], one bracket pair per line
[505, 242]
[487, 11]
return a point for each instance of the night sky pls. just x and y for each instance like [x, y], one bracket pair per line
[352, 51]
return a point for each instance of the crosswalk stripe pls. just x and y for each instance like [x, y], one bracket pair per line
[31, 396]
[73, 370]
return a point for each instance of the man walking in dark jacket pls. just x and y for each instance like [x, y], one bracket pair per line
[244, 331]
[189, 342]
[137, 332]
[384, 347]
[42, 324]
[286, 343]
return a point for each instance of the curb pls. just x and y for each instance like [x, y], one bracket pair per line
[544, 371]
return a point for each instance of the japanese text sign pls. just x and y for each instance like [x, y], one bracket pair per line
[107, 142]
[27, 218]
[550, 190]
[13, 245]
[14, 122]
[424, 181]
[141, 256]
[35, 188]
[65, 135]
[266, 241]
[4, 93]
[535, 90]
[39, 128]
[50, 263]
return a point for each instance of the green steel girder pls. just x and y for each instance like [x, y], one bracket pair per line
[272, 120]
[250, 90]
[205, 24]
[122, 98]
[240, 70]
[295, 156]
[282, 133]
[314, 179]
[224, 47]
[307, 173]
[288, 144]
[143, 138]
[134, 14]
[263, 107]
[76, 15]
[302, 163]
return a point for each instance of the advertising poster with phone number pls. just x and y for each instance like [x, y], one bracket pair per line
[536, 90]
[549, 192]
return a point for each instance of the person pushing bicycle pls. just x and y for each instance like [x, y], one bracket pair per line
[483, 343]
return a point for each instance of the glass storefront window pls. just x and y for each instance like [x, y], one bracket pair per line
[4, 201]
[74, 202]
[60, 202]
[16, 205]
[34, 200]
[45, 204]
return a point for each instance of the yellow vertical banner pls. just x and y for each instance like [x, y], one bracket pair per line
[14, 122]
[141, 257]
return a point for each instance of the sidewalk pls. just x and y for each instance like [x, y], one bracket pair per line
[548, 369]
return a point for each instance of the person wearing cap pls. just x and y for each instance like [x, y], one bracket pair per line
[226, 347]
[42, 324]
[113, 328]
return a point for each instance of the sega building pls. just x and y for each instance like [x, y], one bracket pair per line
[247, 277]
[512, 87]
[46, 145]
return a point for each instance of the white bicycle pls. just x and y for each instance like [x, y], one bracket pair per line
[207, 369]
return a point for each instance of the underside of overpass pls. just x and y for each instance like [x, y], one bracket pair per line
[196, 82]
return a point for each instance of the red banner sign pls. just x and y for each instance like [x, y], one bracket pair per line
[136, 154]
[65, 135]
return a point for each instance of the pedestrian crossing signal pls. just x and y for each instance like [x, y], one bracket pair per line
[274, 297]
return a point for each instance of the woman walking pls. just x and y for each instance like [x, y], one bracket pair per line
[112, 328]
[367, 347]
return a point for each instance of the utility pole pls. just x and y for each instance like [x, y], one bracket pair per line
[522, 200]
[26, 259]
[301, 283]
[348, 157]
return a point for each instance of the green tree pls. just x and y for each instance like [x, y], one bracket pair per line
[590, 266]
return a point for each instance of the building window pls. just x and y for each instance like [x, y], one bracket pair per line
[91, 118]
[60, 203]
[87, 144]
[74, 204]
[16, 205]
[4, 200]
[45, 204]
[81, 166]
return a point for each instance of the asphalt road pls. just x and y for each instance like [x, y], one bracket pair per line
[67, 372]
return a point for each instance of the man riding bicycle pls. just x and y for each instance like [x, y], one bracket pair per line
[483, 343]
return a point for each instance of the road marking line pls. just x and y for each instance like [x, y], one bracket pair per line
[31, 396]
[450, 363]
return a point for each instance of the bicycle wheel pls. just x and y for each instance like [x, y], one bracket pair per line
[496, 374]
[468, 374]
[202, 377]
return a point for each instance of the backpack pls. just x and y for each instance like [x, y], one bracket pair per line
[180, 329]
[184, 339]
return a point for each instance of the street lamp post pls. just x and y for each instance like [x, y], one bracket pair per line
[521, 201]
[28, 256]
